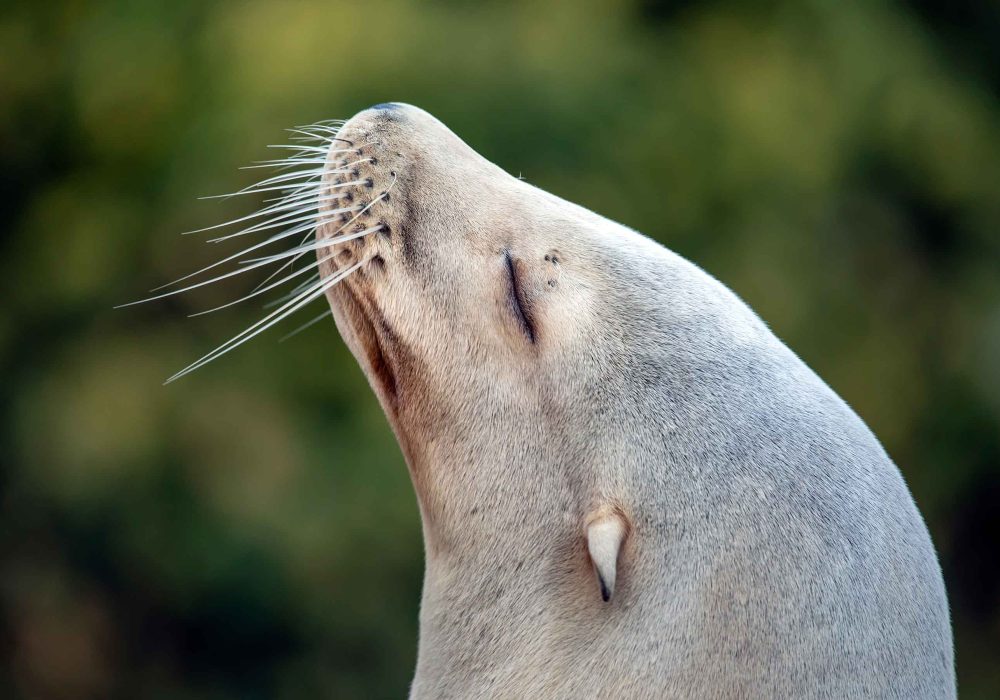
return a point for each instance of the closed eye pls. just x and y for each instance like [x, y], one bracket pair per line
[519, 307]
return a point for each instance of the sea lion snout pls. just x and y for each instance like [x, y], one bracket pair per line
[378, 162]
[390, 162]
[361, 173]
[427, 189]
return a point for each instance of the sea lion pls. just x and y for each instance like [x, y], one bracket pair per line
[629, 487]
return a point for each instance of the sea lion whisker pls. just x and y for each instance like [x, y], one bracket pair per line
[303, 195]
[303, 160]
[349, 183]
[245, 268]
[282, 177]
[307, 324]
[311, 183]
[303, 190]
[290, 188]
[291, 217]
[309, 151]
[308, 137]
[281, 268]
[306, 148]
[283, 163]
[295, 291]
[324, 149]
[286, 179]
[319, 131]
[281, 205]
[380, 197]
[296, 225]
[307, 224]
[313, 195]
[274, 317]
[325, 134]
[260, 290]
[319, 122]
[286, 163]
[346, 168]
[325, 123]
[271, 239]
[290, 198]
[319, 245]
[308, 235]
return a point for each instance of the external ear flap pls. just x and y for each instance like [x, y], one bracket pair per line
[605, 534]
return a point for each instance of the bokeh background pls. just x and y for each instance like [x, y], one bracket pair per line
[250, 531]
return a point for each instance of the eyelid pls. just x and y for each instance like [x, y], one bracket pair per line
[519, 307]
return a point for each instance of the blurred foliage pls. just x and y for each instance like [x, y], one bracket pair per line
[250, 531]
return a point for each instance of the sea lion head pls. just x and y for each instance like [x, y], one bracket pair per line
[494, 321]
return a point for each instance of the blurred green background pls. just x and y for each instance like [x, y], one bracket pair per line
[250, 531]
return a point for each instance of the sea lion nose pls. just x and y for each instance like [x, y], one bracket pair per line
[382, 113]
[386, 106]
